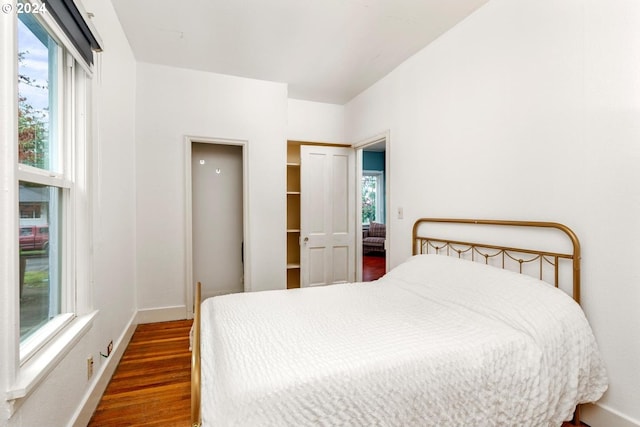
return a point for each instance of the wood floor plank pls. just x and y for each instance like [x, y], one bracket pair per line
[152, 383]
[373, 267]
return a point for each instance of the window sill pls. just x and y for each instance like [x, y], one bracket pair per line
[40, 338]
[45, 360]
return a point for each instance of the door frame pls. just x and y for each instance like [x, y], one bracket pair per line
[359, 147]
[188, 141]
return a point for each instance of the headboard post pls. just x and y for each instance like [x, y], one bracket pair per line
[195, 359]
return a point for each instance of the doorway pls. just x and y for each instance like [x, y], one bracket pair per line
[217, 239]
[372, 159]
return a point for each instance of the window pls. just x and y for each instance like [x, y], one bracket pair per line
[51, 86]
[44, 202]
[372, 197]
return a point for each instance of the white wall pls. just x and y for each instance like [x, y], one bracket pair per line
[315, 121]
[114, 176]
[175, 102]
[59, 399]
[530, 109]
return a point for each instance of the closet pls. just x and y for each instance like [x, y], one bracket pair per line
[298, 273]
[293, 214]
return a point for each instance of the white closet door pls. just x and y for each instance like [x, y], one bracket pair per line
[327, 215]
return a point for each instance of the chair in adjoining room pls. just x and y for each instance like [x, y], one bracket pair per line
[373, 238]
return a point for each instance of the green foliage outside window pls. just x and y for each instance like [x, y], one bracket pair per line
[32, 126]
[368, 198]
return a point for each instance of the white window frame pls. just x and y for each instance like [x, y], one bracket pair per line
[25, 365]
[380, 190]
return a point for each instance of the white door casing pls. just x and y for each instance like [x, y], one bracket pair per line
[383, 138]
[327, 215]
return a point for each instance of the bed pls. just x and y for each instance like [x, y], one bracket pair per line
[443, 339]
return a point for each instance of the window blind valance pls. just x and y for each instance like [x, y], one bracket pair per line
[70, 19]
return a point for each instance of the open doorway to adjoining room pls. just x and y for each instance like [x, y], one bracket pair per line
[372, 159]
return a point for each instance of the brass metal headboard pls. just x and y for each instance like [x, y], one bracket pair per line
[425, 244]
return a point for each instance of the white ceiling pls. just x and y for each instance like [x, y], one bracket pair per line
[326, 50]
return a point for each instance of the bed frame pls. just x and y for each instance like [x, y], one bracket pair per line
[195, 359]
[489, 253]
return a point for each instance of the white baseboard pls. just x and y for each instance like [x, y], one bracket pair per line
[91, 400]
[163, 314]
[596, 415]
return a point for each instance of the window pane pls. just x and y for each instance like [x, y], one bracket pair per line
[40, 213]
[369, 183]
[37, 95]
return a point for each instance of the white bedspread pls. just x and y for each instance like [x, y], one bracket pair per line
[436, 342]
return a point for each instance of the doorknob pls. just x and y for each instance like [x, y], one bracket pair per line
[305, 240]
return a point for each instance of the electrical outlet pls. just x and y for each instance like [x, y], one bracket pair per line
[89, 367]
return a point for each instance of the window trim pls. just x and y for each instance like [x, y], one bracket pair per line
[36, 369]
[42, 177]
[41, 337]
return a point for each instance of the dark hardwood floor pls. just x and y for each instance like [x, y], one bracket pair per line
[151, 386]
[373, 267]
